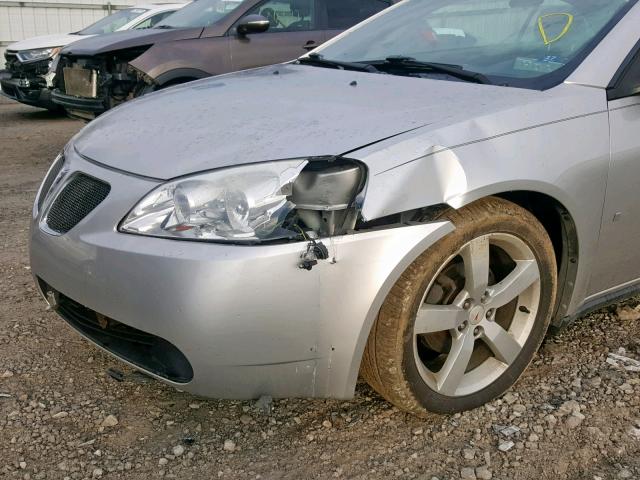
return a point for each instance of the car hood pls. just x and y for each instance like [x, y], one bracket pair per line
[45, 41]
[279, 112]
[128, 39]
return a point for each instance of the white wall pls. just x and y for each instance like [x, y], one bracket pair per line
[45, 17]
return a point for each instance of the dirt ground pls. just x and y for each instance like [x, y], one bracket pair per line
[574, 415]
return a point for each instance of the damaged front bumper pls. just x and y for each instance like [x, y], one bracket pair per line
[27, 91]
[85, 108]
[220, 320]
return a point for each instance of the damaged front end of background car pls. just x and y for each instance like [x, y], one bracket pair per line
[88, 86]
[29, 76]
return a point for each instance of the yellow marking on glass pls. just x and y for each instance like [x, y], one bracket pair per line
[543, 32]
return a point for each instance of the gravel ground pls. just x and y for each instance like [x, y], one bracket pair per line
[574, 415]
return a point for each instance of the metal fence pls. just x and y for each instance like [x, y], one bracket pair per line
[21, 20]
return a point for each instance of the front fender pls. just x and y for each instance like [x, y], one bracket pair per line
[566, 160]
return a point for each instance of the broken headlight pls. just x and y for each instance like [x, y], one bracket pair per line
[38, 54]
[241, 204]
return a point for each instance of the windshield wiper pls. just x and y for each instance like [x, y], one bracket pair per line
[164, 27]
[411, 64]
[318, 60]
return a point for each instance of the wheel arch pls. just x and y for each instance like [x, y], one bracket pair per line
[179, 75]
[561, 228]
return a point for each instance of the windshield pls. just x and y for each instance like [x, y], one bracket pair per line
[200, 13]
[113, 22]
[525, 43]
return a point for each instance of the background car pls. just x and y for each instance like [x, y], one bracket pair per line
[209, 37]
[30, 64]
[418, 201]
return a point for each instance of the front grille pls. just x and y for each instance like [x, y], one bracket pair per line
[143, 349]
[53, 173]
[76, 200]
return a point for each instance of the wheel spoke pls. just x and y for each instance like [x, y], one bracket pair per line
[502, 344]
[522, 277]
[437, 318]
[476, 266]
[454, 368]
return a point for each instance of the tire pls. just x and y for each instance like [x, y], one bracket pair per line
[439, 344]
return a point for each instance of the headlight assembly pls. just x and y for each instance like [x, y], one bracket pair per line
[38, 54]
[241, 204]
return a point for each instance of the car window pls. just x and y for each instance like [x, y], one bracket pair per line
[153, 21]
[113, 22]
[288, 15]
[629, 82]
[525, 43]
[200, 13]
[342, 14]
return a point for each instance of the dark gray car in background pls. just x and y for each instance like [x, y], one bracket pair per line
[208, 37]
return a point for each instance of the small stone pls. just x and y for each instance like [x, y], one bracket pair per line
[628, 313]
[163, 461]
[229, 445]
[569, 407]
[510, 398]
[519, 409]
[418, 431]
[575, 420]
[469, 454]
[194, 406]
[634, 432]
[23, 465]
[7, 374]
[625, 474]
[483, 473]
[110, 421]
[245, 419]
[468, 474]
[327, 424]
[265, 404]
[61, 415]
[506, 446]
[97, 473]
[178, 450]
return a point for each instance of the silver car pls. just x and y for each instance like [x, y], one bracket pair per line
[417, 202]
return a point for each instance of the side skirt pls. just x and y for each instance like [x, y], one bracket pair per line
[603, 300]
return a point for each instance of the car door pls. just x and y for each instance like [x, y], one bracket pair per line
[618, 260]
[344, 14]
[293, 31]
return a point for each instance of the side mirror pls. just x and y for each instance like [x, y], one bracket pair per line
[252, 24]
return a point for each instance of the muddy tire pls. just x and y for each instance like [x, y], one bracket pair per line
[467, 317]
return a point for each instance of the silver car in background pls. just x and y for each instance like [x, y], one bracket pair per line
[416, 201]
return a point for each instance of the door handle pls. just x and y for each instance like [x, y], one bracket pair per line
[310, 45]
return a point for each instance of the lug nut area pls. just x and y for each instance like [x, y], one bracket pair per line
[478, 331]
[463, 326]
[490, 313]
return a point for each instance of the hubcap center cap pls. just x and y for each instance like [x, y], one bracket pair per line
[476, 315]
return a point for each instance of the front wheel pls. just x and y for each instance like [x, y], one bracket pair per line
[466, 318]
